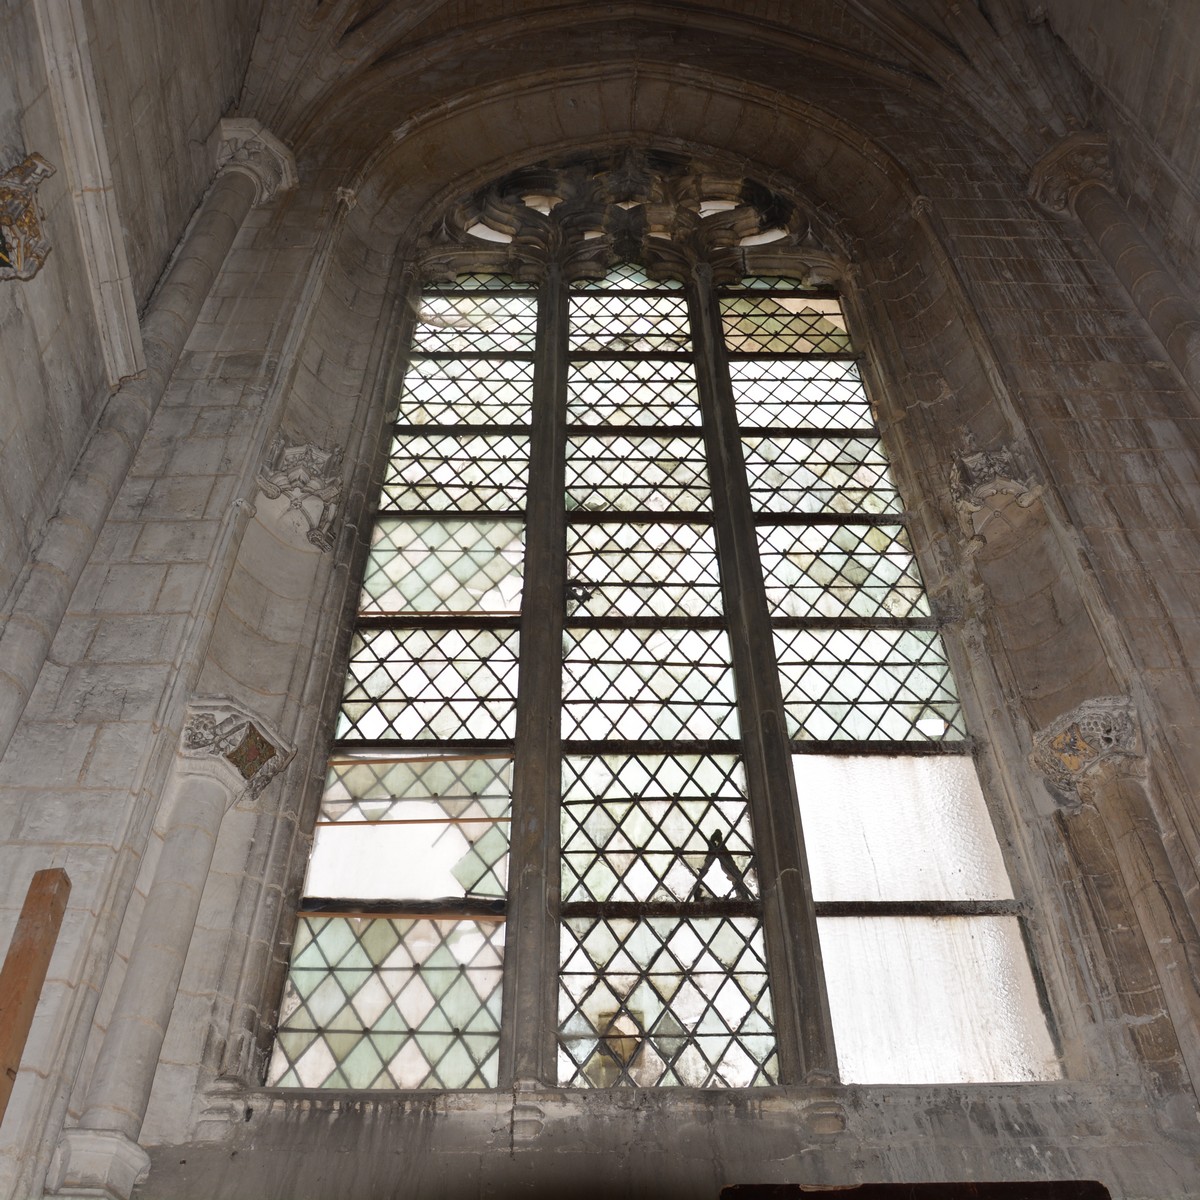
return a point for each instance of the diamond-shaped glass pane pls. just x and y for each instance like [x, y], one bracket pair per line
[424, 565]
[477, 281]
[819, 474]
[664, 1001]
[451, 471]
[629, 472]
[637, 321]
[430, 683]
[769, 283]
[468, 391]
[815, 393]
[784, 325]
[626, 277]
[638, 391]
[379, 1002]
[641, 570]
[655, 827]
[363, 787]
[840, 571]
[867, 685]
[475, 322]
[639, 683]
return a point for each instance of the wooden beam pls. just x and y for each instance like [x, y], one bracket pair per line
[25, 967]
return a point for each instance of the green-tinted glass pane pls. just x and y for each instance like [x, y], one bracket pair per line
[639, 391]
[799, 393]
[469, 472]
[468, 391]
[430, 684]
[638, 570]
[664, 1001]
[428, 565]
[819, 474]
[784, 325]
[867, 685]
[840, 571]
[630, 472]
[638, 683]
[367, 788]
[655, 827]
[392, 1003]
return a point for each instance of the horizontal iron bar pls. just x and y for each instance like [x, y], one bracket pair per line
[637, 516]
[801, 431]
[919, 908]
[616, 909]
[647, 623]
[683, 354]
[388, 748]
[447, 908]
[461, 428]
[854, 623]
[828, 518]
[890, 749]
[792, 356]
[579, 748]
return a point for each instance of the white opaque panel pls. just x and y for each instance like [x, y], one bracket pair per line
[410, 860]
[902, 828]
[934, 1000]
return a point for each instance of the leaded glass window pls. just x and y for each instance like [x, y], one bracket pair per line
[649, 768]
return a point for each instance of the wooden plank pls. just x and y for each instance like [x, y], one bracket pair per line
[25, 967]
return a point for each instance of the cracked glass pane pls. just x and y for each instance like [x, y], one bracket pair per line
[428, 565]
[664, 1001]
[641, 827]
[390, 1002]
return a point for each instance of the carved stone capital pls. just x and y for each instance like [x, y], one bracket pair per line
[246, 146]
[96, 1162]
[23, 242]
[1079, 741]
[991, 493]
[300, 486]
[1076, 160]
[221, 739]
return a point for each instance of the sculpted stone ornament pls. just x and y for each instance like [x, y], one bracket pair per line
[23, 243]
[244, 145]
[217, 729]
[1076, 160]
[302, 484]
[987, 486]
[1096, 731]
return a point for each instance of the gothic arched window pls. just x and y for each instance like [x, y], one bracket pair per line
[649, 767]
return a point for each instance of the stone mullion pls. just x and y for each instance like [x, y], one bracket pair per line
[803, 1029]
[527, 1054]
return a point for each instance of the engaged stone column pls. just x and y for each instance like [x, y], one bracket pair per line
[252, 166]
[224, 755]
[1093, 755]
[1075, 175]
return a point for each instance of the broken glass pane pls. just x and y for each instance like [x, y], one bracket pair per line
[637, 391]
[428, 565]
[664, 1001]
[656, 827]
[475, 322]
[934, 1000]
[391, 1002]
[630, 472]
[417, 684]
[647, 683]
[799, 393]
[884, 828]
[840, 571]
[784, 325]
[466, 392]
[636, 321]
[819, 474]
[867, 685]
[469, 472]
[637, 570]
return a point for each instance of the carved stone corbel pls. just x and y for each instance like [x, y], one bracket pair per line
[301, 486]
[1076, 160]
[991, 493]
[1074, 745]
[23, 242]
[244, 145]
[222, 739]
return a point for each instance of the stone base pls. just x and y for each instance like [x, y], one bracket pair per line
[96, 1163]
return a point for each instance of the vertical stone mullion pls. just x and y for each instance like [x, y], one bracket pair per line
[528, 1026]
[803, 1029]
